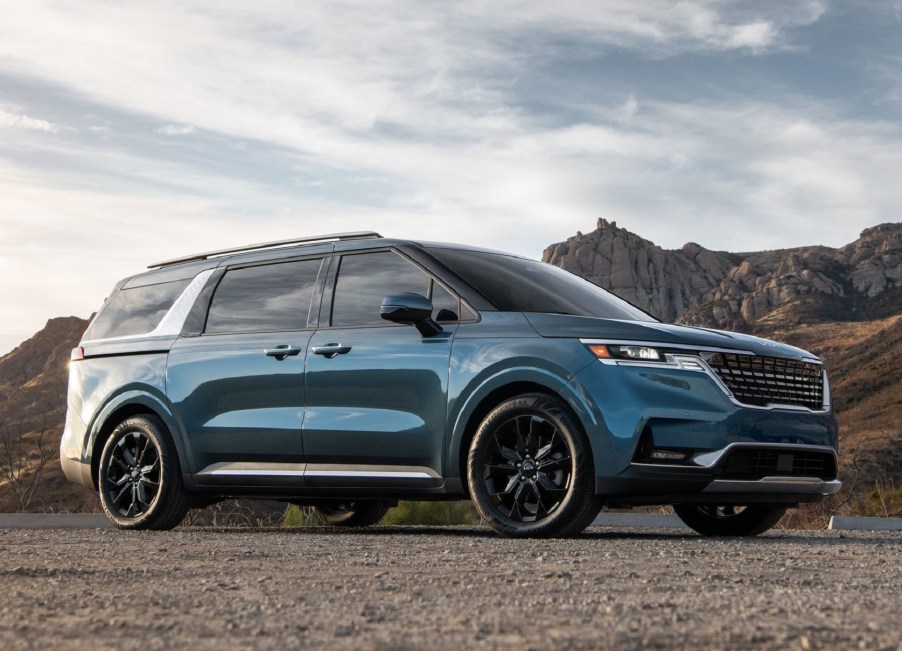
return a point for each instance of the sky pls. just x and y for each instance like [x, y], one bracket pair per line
[132, 132]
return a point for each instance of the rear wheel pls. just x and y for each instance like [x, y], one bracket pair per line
[359, 513]
[713, 520]
[139, 479]
[530, 469]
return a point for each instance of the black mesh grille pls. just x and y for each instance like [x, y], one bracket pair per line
[762, 381]
[755, 464]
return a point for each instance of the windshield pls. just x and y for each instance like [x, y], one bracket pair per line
[515, 284]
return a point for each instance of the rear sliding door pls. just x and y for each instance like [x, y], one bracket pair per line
[238, 388]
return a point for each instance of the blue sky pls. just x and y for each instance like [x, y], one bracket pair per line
[132, 132]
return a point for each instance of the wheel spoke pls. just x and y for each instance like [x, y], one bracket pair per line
[149, 468]
[121, 494]
[545, 450]
[510, 486]
[521, 440]
[141, 492]
[501, 467]
[540, 505]
[551, 463]
[140, 459]
[532, 439]
[549, 486]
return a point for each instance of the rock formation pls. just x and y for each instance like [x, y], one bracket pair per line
[713, 288]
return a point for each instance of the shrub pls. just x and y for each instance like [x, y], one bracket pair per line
[295, 516]
[882, 501]
[431, 513]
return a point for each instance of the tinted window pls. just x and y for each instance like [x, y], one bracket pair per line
[445, 306]
[267, 297]
[365, 279]
[135, 311]
[519, 285]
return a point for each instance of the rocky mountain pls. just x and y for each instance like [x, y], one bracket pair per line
[697, 286]
[33, 382]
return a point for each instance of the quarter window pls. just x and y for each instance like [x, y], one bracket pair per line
[265, 297]
[135, 311]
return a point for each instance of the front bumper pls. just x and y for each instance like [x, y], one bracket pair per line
[765, 473]
[667, 434]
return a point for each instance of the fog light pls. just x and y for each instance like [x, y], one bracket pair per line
[668, 455]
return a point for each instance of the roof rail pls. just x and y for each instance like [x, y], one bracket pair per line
[356, 235]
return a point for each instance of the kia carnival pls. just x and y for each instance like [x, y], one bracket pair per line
[347, 372]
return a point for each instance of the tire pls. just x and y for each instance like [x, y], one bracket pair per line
[713, 520]
[530, 469]
[362, 513]
[139, 478]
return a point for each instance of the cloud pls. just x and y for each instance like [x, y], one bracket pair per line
[10, 117]
[483, 122]
[176, 130]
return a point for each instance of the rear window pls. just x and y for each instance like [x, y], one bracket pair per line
[135, 311]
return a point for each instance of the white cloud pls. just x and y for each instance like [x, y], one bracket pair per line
[10, 117]
[176, 129]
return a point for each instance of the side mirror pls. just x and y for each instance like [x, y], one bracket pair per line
[410, 309]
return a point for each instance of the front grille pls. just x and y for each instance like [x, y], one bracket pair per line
[751, 463]
[762, 381]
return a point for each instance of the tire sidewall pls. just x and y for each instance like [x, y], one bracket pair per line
[156, 432]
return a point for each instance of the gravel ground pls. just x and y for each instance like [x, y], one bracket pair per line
[450, 588]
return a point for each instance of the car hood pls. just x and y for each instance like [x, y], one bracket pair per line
[565, 325]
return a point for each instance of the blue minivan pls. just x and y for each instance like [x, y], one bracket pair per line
[347, 372]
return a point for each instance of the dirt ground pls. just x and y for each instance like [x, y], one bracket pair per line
[450, 588]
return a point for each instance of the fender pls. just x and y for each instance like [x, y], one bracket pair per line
[505, 377]
[145, 396]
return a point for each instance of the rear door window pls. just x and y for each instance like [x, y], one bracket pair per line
[135, 311]
[264, 297]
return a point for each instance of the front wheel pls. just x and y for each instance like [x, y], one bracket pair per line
[530, 469]
[360, 513]
[712, 520]
[139, 479]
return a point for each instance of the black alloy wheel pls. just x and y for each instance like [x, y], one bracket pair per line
[729, 520]
[139, 480]
[530, 469]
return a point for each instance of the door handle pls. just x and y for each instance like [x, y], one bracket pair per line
[281, 352]
[331, 350]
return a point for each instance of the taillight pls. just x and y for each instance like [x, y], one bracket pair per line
[77, 354]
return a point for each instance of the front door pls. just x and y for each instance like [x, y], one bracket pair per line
[377, 393]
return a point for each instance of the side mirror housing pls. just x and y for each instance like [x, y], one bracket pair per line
[410, 309]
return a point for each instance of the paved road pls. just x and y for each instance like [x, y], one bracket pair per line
[452, 588]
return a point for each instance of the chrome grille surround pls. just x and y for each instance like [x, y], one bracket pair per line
[762, 381]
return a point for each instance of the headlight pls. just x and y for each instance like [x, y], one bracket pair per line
[637, 353]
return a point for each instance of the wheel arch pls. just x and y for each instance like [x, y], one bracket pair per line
[122, 407]
[496, 390]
